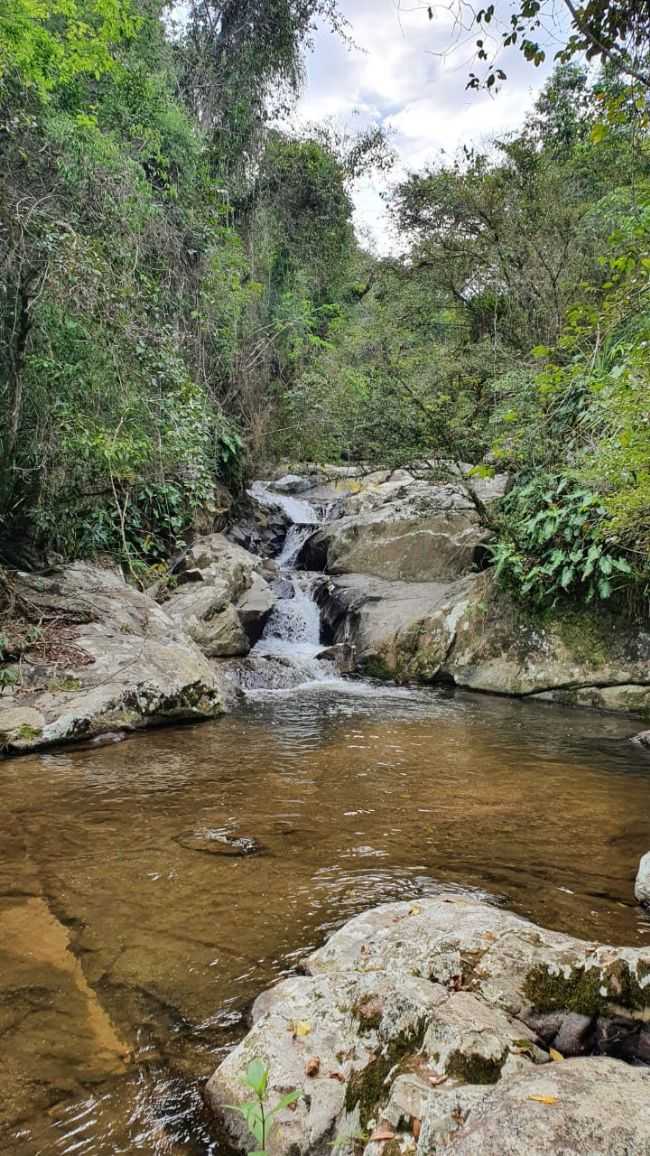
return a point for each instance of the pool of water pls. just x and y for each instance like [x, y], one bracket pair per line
[132, 939]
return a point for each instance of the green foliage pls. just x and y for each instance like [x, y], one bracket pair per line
[551, 544]
[259, 1118]
[46, 44]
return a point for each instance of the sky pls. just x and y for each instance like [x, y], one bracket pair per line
[409, 74]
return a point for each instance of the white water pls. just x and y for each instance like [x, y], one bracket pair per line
[299, 512]
[286, 655]
[293, 543]
[293, 630]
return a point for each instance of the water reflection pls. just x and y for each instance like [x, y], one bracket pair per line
[355, 799]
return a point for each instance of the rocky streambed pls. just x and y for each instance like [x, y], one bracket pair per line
[405, 594]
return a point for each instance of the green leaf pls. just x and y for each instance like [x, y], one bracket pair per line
[257, 1077]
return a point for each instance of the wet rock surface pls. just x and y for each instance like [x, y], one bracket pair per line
[432, 1024]
[222, 600]
[642, 882]
[220, 841]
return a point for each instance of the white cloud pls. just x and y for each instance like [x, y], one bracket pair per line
[409, 74]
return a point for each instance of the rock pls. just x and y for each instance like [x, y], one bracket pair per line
[642, 883]
[343, 655]
[468, 633]
[575, 1037]
[546, 1026]
[255, 606]
[642, 1046]
[212, 622]
[225, 602]
[20, 723]
[617, 1036]
[218, 841]
[291, 484]
[128, 665]
[471, 1041]
[643, 739]
[419, 1014]
[283, 588]
[597, 1106]
[418, 533]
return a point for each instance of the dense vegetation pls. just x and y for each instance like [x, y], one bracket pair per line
[513, 335]
[182, 295]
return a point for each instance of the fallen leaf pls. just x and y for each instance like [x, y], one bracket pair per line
[299, 1028]
[383, 1132]
[524, 1047]
[544, 1099]
[416, 1125]
[555, 1055]
[337, 1076]
[312, 1067]
[435, 1080]
[415, 909]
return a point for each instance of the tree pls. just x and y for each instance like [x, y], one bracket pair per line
[609, 31]
[242, 66]
[47, 43]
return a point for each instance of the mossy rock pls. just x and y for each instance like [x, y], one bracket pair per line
[475, 1069]
[589, 991]
[367, 1087]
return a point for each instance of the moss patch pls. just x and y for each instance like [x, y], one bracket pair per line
[475, 1069]
[589, 991]
[367, 1087]
[374, 666]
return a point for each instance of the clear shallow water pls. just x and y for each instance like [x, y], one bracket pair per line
[129, 950]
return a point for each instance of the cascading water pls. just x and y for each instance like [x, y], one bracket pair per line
[286, 656]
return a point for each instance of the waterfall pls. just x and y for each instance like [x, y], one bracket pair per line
[298, 511]
[294, 626]
[286, 656]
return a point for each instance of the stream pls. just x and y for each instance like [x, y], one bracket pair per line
[150, 890]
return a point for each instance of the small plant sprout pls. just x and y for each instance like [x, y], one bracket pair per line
[260, 1119]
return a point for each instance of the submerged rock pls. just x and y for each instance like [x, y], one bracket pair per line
[218, 841]
[424, 1018]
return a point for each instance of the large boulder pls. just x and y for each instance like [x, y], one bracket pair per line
[222, 599]
[469, 633]
[405, 530]
[418, 1019]
[109, 659]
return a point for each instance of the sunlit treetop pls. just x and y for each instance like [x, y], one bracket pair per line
[47, 43]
